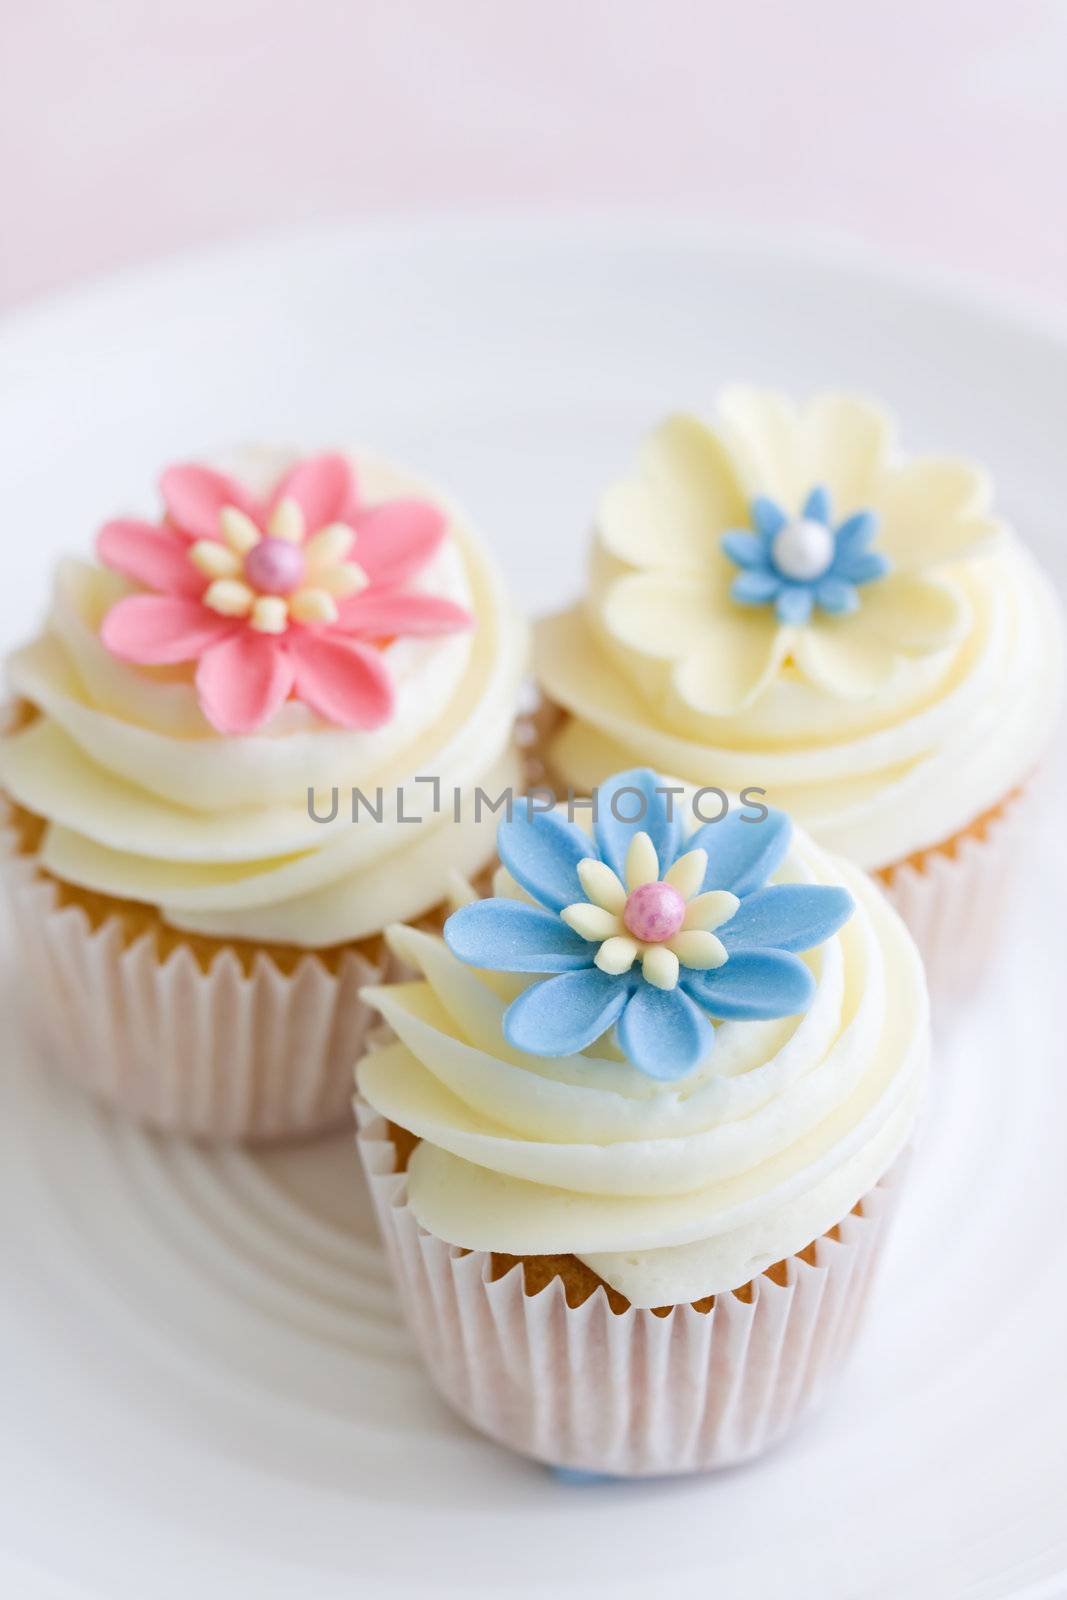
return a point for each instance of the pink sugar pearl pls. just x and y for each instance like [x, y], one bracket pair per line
[654, 912]
[275, 566]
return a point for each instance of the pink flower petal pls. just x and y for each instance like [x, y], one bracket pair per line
[150, 555]
[380, 613]
[343, 681]
[157, 630]
[394, 540]
[194, 496]
[324, 488]
[242, 681]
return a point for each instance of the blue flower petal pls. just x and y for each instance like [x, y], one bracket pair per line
[562, 1015]
[856, 533]
[787, 916]
[541, 851]
[863, 568]
[664, 1034]
[794, 603]
[754, 985]
[755, 588]
[768, 518]
[510, 936]
[817, 506]
[744, 548]
[613, 837]
[836, 595]
[742, 853]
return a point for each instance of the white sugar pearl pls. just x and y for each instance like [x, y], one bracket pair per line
[803, 550]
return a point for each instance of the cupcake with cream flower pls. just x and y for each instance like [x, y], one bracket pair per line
[235, 756]
[781, 600]
[636, 1129]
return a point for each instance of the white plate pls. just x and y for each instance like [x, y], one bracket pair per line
[208, 1391]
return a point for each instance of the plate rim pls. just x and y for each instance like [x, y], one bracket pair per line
[105, 293]
[1025, 309]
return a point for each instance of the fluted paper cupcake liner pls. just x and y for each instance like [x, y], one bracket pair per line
[222, 1054]
[630, 1393]
[951, 897]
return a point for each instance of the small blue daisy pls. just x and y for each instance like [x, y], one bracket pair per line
[644, 932]
[802, 562]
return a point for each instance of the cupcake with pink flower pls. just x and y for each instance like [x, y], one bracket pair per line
[248, 737]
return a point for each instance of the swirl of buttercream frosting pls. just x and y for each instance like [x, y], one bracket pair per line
[669, 1191]
[145, 801]
[892, 761]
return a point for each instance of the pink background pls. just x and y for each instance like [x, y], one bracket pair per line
[935, 131]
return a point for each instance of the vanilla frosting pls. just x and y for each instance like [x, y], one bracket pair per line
[877, 754]
[144, 800]
[669, 1191]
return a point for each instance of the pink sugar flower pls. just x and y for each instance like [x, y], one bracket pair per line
[288, 595]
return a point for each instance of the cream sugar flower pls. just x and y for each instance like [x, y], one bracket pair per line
[276, 578]
[663, 922]
[668, 600]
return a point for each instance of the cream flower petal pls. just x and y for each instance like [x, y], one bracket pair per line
[617, 955]
[684, 494]
[846, 656]
[229, 597]
[765, 434]
[214, 559]
[847, 442]
[238, 529]
[688, 871]
[601, 885]
[914, 613]
[287, 521]
[935, 510]
[737, 658]
[642, 862]
[591, 922]
[660, 966]
[313, 604]
[697, 949]
[270, 614]
[330, 545]
[341, 581]
[665, 615]
[710, 910]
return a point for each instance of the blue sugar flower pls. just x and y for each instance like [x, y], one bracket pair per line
[803, 562]
[643, 931]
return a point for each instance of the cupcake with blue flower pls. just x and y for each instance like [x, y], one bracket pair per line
[636, 1125]
[780, 596]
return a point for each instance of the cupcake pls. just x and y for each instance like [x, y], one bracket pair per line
[782, 601]
[236, 752]
[636, 1128]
